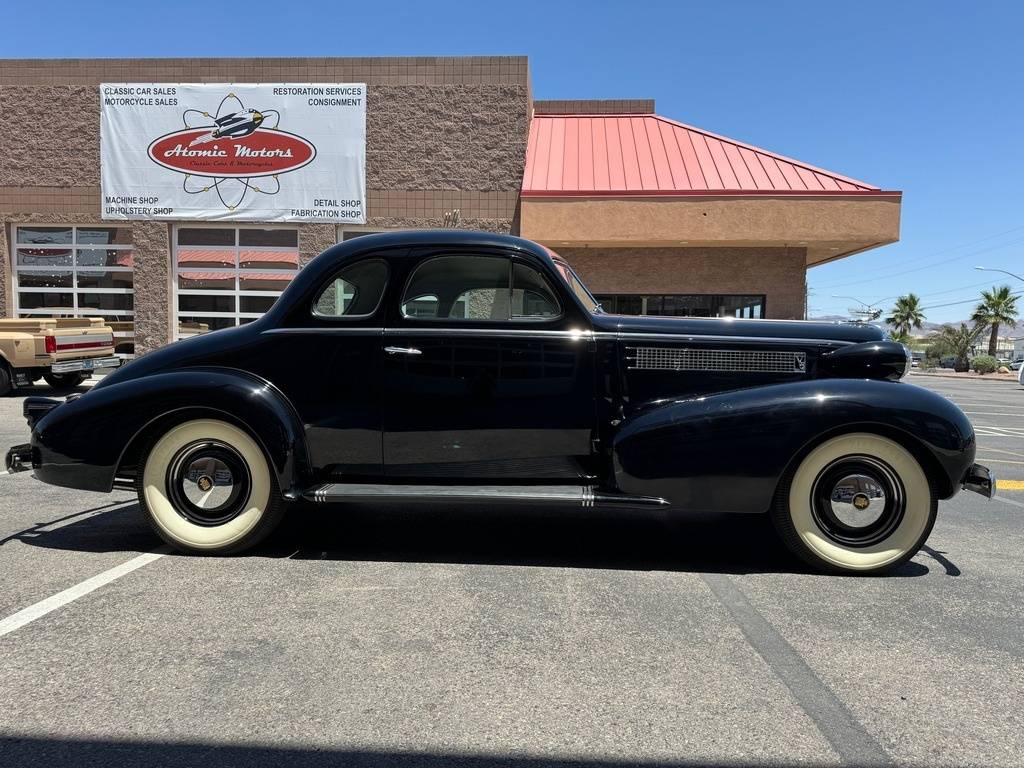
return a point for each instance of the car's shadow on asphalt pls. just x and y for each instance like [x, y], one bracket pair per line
[495, 535]
[40, 389]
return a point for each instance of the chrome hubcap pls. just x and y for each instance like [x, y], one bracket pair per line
[208, 483]
[858, 501]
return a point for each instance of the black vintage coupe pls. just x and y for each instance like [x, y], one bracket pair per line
[465, 367]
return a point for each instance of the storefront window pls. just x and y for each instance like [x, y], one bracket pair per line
[227, 276]
[684, 305]
[73, 271]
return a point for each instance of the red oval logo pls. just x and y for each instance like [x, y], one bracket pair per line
[263, 152]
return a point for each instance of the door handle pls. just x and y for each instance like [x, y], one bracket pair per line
[402, 351]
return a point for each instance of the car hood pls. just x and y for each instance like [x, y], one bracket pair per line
[805, 330]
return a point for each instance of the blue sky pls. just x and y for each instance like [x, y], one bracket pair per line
[925, 97]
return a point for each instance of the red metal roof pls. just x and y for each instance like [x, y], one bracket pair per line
[651, 155]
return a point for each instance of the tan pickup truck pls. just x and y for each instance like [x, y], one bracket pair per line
[63, 351]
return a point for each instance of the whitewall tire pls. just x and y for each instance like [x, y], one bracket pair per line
[207, 488]
[857, 503]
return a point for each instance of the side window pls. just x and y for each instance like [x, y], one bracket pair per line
[459, 288]
[531, 294]
[477, 288]
[354, 292]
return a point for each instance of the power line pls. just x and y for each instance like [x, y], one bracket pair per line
[954, 290]
[918, 269]
[963, 245]
[965, 301]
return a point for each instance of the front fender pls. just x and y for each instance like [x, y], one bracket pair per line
[81, 443]
[727, 452]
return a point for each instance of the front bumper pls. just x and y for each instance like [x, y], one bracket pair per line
[980, 480]
[86, 364]
[19, 458]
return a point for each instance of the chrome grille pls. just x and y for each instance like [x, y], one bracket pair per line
[741, 360]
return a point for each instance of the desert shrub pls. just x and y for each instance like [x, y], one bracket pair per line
[984, 364]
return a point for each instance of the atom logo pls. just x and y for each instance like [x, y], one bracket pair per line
[232, 152]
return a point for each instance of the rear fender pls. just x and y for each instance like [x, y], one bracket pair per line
[84, 442]
[727, 452]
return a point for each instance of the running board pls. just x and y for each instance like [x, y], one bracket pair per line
[584, 496]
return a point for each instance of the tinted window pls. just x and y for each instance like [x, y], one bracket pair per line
[531, 295]
[459, 288]
[356, 291]
[477, 288]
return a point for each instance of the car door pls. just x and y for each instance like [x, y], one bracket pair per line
[325, 358]
[486, 371]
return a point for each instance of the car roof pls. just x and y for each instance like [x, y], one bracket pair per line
[442, 237]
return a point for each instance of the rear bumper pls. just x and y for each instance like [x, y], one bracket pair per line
[20, 458]
[85, 364]
[980, 480]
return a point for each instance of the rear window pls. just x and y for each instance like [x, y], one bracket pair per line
[356, 291]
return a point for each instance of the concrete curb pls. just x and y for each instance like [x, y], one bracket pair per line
[958, 377]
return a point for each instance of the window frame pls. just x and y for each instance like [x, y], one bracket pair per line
[122, 315]
[237, 293]
[512, 259]
[335, 275]
[716, 297]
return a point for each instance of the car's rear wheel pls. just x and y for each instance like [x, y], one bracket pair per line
[207, 488]
[62, 381]
[858, 503]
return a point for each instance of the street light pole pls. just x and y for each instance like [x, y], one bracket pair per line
[991, 269]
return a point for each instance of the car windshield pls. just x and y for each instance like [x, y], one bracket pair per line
[575, 284]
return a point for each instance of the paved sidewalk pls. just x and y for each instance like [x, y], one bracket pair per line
[947, 374]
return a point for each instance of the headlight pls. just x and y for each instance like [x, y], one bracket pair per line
[910, 360]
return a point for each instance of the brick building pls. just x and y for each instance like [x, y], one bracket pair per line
[656, 216]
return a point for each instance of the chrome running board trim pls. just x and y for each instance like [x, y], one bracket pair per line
[584, 496]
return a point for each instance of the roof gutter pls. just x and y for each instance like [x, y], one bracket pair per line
[704, 193]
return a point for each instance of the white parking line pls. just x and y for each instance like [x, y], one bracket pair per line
[38, 610]
[1009, 501]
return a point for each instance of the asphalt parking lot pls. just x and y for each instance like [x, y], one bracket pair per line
[501, 637]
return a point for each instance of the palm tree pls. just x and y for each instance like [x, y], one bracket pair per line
[957, 342]
[997, 307]
[906, 316]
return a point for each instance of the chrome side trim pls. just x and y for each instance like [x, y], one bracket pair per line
[361, 330]
[516, 333]
[721, 339]
[573, 334]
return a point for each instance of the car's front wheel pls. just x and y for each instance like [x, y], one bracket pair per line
[207, 488]
[858, 503]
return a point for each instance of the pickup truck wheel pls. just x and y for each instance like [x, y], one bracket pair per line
[62, 381]
[206, 488]
[5, 380]
[858, 503]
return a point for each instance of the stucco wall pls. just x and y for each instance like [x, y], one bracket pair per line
[779, 273]
[826, 226]
[442, 134]
[152, 285]
[5, 273]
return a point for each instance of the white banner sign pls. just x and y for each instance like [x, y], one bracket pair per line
[285, 152]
